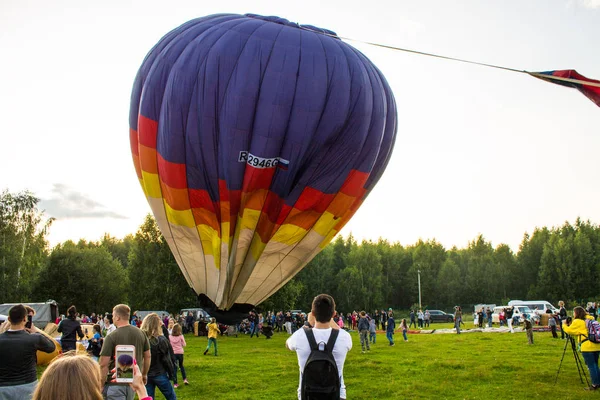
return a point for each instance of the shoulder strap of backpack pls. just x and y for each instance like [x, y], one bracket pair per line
[311, 338]
[332, 339]
[587, 327]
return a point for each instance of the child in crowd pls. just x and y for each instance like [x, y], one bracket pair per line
[372, 331]
[96, 343]
[213, 331]
[404, 328]
[178, 343]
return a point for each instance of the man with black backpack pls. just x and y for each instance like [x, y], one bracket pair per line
[321, 353]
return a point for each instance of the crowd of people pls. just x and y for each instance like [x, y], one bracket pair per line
[159, 345]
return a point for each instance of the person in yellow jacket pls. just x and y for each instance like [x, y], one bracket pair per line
[213, 331]
[589, 349]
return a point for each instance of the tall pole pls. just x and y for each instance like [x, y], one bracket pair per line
[419, 279]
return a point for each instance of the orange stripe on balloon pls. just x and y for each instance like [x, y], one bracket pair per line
[178, 199]
[348, 215]
[303, 219]
[340, 204]
[136, 164]
[254, 200]
[205, 217]
[173, 174]
[147, 129]
[133, 141]
[148, 159]
[224, 210]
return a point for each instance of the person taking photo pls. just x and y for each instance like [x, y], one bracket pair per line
[18, 360]
[589, 350]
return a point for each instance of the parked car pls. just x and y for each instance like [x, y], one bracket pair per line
[440, 316]
[538, 306]
[517, 311]
[142, 314]
[200, 314]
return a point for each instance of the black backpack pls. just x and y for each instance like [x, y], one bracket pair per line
[320, 379]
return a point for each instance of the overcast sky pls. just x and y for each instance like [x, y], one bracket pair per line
[479, 150]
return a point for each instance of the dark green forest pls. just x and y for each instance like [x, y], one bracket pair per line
[557, 263]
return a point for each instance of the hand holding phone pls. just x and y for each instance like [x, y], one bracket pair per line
[29, 322]
[124, 362]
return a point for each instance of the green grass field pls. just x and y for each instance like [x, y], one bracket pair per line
[449, 366]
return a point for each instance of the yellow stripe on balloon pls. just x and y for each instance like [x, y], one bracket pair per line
[328, 238]
[182, 218]
[257, 247]
[249, 219]
[211, 242]
[326, 223]
[289, 234]
[151, 185]
[225, 227]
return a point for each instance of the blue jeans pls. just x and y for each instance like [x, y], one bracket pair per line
[211, 341]
[372, 337]
[164, 385]
[404, 334]
[591, 360]
[390, 337]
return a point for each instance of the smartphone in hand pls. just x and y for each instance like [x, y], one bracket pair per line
[124, 356]
[29, 322]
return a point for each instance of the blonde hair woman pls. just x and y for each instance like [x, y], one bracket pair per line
[70, 377]
[161, 365]
[75, 376]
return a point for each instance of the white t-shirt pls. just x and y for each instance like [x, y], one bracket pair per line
[111, 329]
[298, 342]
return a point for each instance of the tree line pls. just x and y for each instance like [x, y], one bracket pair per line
[559, 263]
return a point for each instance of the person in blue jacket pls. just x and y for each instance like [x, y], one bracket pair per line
[391, 325]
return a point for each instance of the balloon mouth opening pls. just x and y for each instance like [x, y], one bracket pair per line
[233, 315]
[286, 22]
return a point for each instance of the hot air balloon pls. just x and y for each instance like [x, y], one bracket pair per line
[255, 140]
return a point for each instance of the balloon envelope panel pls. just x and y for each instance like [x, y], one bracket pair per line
[255, 140]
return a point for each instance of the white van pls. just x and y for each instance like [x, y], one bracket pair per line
[518, 310]
[538, 306]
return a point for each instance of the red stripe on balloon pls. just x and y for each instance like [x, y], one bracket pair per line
[147, 129]
[313, 199]
[354, 184]
[200, 198]
[257, 178]
[173, 174]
